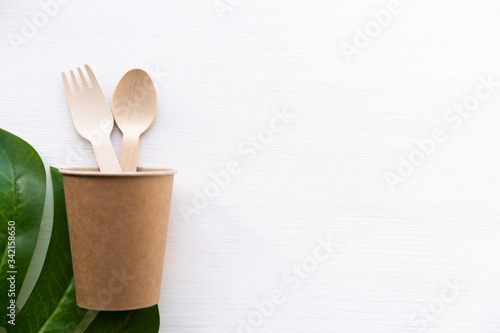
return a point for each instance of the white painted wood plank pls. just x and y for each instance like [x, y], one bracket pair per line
[219, 83]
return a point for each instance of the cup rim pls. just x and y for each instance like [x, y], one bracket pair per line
[94, 172]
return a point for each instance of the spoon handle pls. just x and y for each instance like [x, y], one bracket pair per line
[130, 151]
[106, 156]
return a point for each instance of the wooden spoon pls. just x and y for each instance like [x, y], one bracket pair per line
[134, 109]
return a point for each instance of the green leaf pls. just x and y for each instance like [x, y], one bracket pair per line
[22, 197]
[143, 320]
[51, 306]
[66, 316]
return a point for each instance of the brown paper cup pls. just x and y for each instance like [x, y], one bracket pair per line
[117, 229]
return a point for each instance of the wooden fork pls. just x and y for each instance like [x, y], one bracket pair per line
[92, 117]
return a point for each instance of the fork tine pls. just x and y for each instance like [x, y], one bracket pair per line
[66, 85]
[75, 82]
[92, 77]
[84, 80]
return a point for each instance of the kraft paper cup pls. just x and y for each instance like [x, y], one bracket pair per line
[118, 229]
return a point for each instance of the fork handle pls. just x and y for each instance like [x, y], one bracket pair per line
[106, 156]
[130, 152]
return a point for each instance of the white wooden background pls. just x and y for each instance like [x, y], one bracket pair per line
[424, 256]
